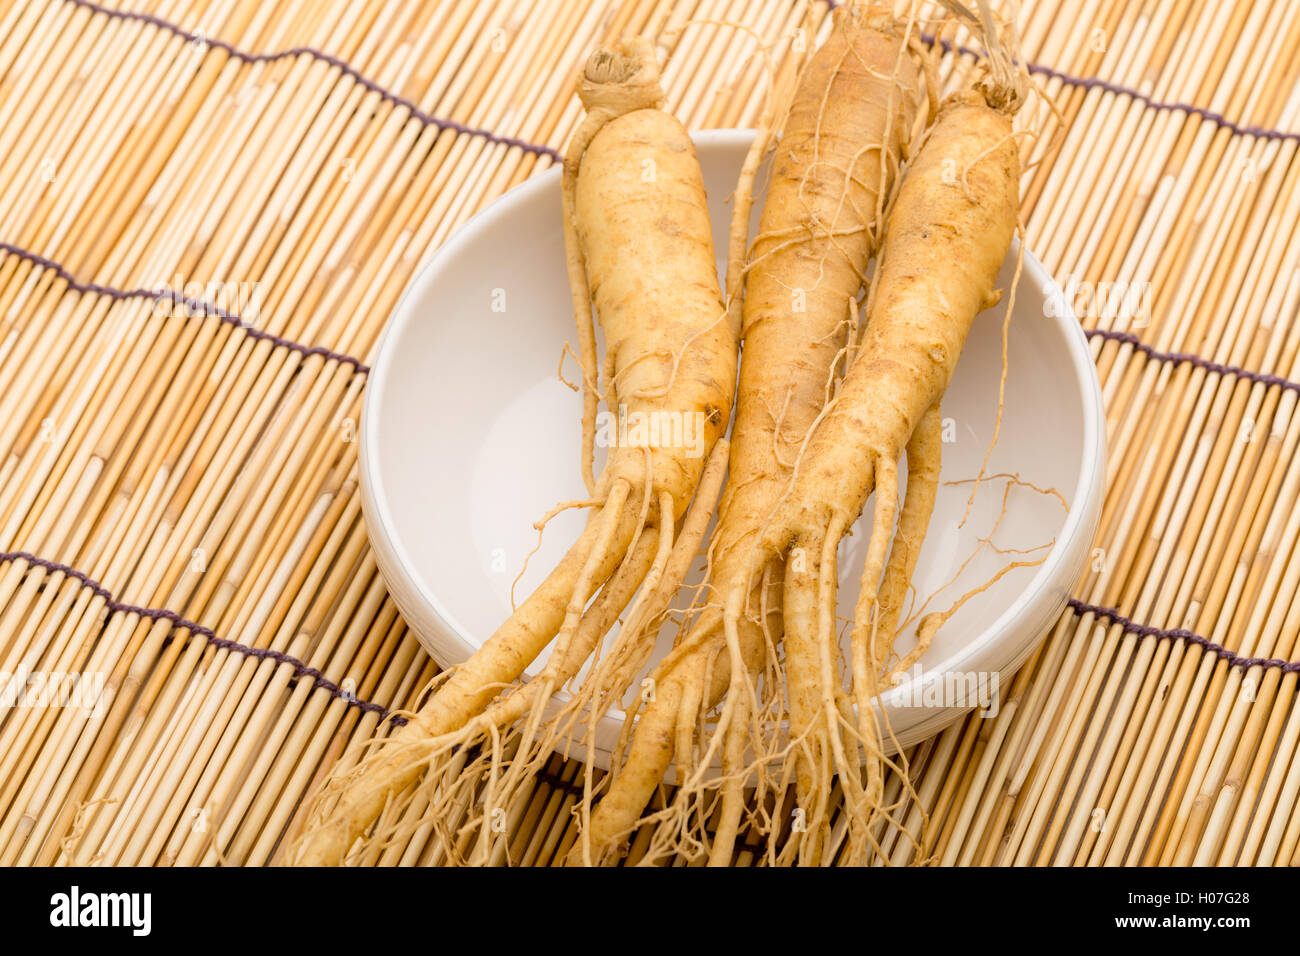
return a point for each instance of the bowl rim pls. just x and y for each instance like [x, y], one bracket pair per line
[1037, 594]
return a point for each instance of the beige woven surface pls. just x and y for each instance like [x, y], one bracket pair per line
[178, 505]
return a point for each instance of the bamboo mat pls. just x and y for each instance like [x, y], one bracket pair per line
[209, 208]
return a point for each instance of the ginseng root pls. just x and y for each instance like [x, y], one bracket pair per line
[640, 250]
[945, 240]
[841, 146]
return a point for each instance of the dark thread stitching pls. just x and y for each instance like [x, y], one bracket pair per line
[1162, 106]
[1182, 634]
[300, 668]
[426, 119]
[1189, 358]
[556, 782]
[195, 308]
[1097, 83]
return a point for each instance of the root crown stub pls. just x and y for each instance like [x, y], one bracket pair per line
[621, 79]
[1001, 95]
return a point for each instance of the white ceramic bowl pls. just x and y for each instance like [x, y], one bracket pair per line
[468, 437]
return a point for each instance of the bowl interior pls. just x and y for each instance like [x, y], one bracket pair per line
[470, 437]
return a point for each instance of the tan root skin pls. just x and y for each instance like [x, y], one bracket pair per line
[649, 253]
[947, 236]
[924, 452]
[647, 256]
[817, 232]
[816, 236]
